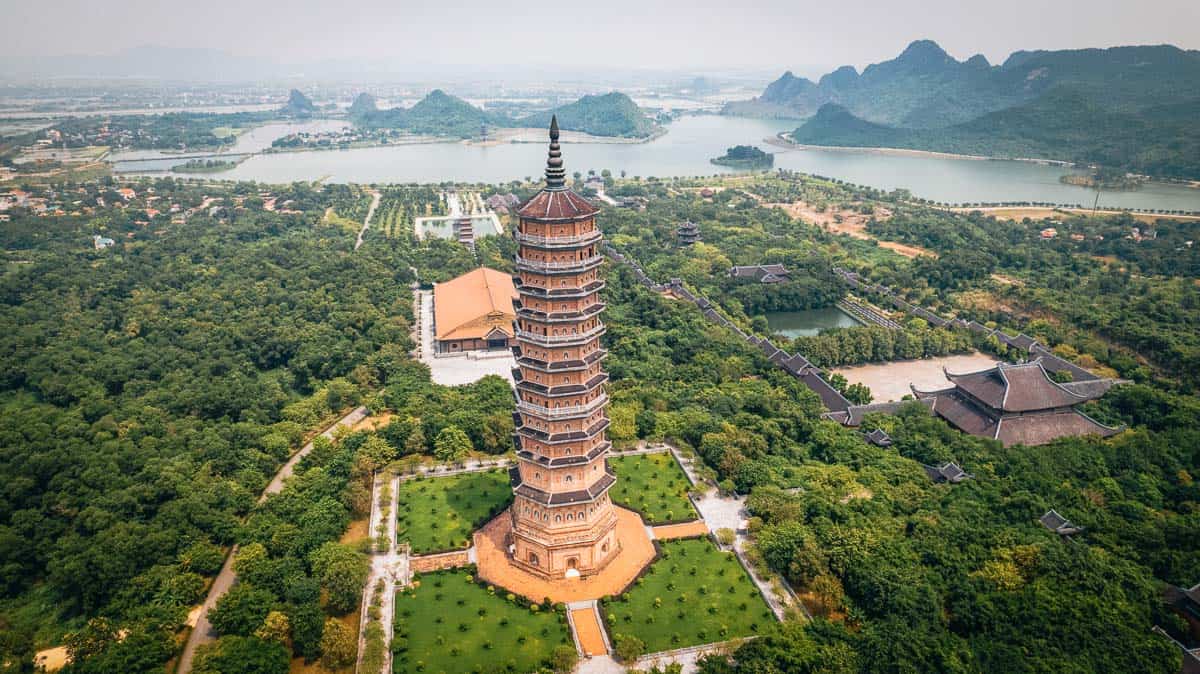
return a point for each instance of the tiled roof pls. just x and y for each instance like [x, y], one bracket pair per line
[474, 304]
[1038, 429]
[556, 205]
[1016, 388]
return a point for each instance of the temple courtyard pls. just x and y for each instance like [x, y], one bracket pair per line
[890, 381]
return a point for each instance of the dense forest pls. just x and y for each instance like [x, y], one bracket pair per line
[151, 388]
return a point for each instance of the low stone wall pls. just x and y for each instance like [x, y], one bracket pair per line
[446, 560]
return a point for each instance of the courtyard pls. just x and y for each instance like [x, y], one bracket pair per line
[439, 514]
[447, 622]
[654, 485]
[457, 369]
[693, 594]
[890, 381]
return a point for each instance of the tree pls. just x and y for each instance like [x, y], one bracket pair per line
[451, 445]
[628, 648]
[275, 628]
[242, 609]
[415, 443]
[343, 570]
[376, 452]
[564, 658]
[338, 645]
[241, 655]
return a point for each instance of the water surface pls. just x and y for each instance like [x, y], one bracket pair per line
[808, 322]
[685, 150]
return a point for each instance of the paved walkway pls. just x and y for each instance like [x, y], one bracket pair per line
[666, 532]
[729, 512]
[202, 633]
[386, 565]
[588, 631]
[375, 196]
[446, 470]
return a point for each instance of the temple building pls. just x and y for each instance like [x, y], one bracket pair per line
[687, 233]
[1018, 404]
[474, 312]
[563, 523]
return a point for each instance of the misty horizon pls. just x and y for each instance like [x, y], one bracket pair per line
[319, 40]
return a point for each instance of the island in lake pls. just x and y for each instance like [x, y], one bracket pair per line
[745, 157]
[203, 166]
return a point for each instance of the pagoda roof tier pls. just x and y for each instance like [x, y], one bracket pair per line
[558, 293]
[541, 460]
[558, 438]
[559, 365]
[558, 242]
[1024, 387]
[558, 316]
[559, 267]
[559, 389]
[559, 205]
[555, 341]
[563, 497]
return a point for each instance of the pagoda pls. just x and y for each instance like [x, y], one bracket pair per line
[563, 524]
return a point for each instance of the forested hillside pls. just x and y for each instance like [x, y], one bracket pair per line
[1125, 107]
[611, 114]
[1063, 124]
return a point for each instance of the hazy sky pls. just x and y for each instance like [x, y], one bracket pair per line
[653, 34]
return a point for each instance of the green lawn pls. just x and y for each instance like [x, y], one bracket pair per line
[694, 594]
[451, 624]
[436, 514]
[654, 485]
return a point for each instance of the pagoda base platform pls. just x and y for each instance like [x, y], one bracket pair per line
[497, 567]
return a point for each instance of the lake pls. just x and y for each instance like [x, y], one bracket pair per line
[808, 322]
[684, 150]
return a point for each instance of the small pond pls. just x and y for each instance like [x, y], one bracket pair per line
[808, 322]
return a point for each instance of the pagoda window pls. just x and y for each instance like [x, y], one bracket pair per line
[558, 519]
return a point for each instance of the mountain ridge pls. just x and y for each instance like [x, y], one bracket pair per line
[924, 87]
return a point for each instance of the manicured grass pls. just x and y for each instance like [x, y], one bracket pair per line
[694, 594]
[653, 485]
[451, 624]
[436, 514]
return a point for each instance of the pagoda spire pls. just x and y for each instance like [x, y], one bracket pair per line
[556, 174]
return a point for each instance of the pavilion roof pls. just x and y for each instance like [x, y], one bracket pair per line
[1024, 387]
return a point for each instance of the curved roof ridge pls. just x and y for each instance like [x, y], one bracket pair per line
[1003, 399]
[1038, 361]
[1114, 429]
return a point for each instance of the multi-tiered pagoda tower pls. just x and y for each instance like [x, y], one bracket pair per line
[563, 523]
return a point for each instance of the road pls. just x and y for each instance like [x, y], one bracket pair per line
[202, 633]
[375, 196]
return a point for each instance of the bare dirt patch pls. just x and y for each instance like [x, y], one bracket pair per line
[890, 381]
[357, 531]
[849, 222]
[374, 422]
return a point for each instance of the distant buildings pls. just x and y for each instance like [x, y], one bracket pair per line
[763, 273]
[1018, 404]
[102, 242]
[948, 472]
[1058, 524]
[474, 312]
